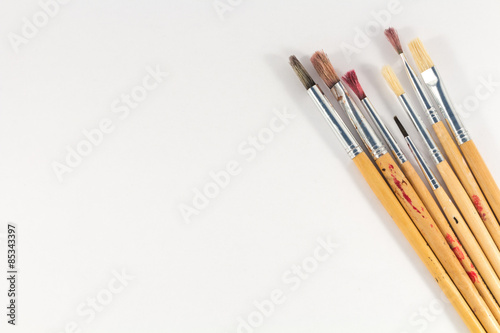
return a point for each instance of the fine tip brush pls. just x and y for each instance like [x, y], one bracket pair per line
[478, 181]
[387, 197]
[457, 191]
[405, 192]
[489, 291]
[442, 221]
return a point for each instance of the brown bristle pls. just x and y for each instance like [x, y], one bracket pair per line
[352, 81]
[393, 38]
[324, 68]
[422, 58]
[301, 72]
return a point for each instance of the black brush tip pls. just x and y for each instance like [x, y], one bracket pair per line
[401, 127]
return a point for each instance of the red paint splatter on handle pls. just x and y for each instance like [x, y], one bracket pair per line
[449, 238]
[479, 207]
[473, 276]
[460, 255]
[400, 187]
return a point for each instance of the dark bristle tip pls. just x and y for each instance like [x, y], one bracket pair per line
[393, 38]
[301, 72]
[401, 127]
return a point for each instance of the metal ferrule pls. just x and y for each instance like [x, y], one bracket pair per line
[435, 84]
[420, 126]
[386, 134]
[365, 131]
[426, 170]
[340, 129]
[419, 88]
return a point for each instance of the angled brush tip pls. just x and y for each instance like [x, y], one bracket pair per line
[393, 38]
[301, 72]
[352, 81]
[324, 68]
[392, 80]
[401, 127]
[422, 58]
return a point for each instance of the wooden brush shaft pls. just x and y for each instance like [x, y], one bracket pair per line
[428, 228]
[475, 252]
[413, 236]
[470, 215]
[482, 174]
[468, 181]
[454, 244]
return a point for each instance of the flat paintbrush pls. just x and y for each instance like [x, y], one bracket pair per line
[386, 197]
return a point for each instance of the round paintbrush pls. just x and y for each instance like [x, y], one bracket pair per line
[403, 189]
[387, 198]
[480, 172]
[457, 191]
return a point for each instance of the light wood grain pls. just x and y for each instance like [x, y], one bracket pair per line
[415, 208]
[482, 174]
[470, 215]
[469, 243]
[464, 234]
[413, 236]
[468, 181]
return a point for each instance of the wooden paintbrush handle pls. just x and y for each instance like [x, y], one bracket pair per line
[454, 244]
[470, 215]
[473, 250]
[405, 224]
[468, 181]
[482, 174]
[428, 228]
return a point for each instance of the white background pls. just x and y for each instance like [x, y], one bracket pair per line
[119, 209]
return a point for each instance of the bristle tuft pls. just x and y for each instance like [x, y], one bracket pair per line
[392, 80]
[422, 58]
[393, 38]
[352, 81]
[324, 68]
[301, 72]
[401, 127]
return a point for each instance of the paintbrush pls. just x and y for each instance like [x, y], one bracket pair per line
[386, 197]
[463, 232]
[451, 150]
[352, 81]
[457, 191]
[434, 83]
[404, 191]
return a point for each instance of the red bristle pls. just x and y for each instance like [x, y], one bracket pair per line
[393, 38]
[352, 81]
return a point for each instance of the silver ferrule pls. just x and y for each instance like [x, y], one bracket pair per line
[419, 88]
[435, 84]
[365, 131]
[422, 130]
[386, 134]
[426, 170]
[338, 126]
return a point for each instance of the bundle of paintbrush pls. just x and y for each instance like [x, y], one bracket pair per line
[469, 273]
